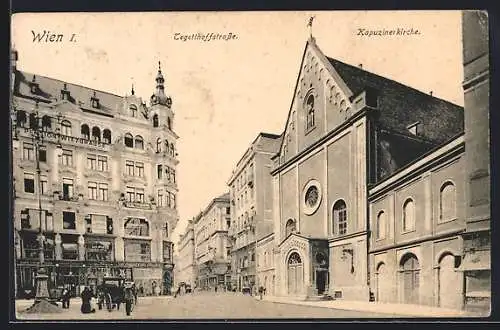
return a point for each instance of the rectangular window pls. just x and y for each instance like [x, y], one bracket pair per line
[166, 252]
[92, 190]
[29, 183]
[169, 202]
[159, 202]
[109, 225]
[173, 202]
[139, 195]
[92, 162]
[129, 167]
[67, 158]
[172, 173]
[42, 154]
[103, 191]
[44, 184]
[228, 210]
[140, 169]
[137, 251]
[167, 172]
[28, 151]
[69, 221]
[102, 163]
[98, 250]
[160, 171]
[67, 189]
[130, 194]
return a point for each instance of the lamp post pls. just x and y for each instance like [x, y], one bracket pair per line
[36, 131]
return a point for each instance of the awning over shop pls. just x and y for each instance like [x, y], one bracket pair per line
[479, 260]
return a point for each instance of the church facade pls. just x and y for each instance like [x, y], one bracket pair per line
[347, 130]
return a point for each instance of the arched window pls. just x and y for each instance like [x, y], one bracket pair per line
[294, 259]
[136, 227]
[290, 227]
[408, 215]
[169, 123]
[66, 128]
[172, 150]
[155, 120]
[139, 142]
[381, 225]
[340, 217]
[106, 136]
[129, 140]
[158, 145]
[167, 147]
[21, 118]
[133, 110]
[85, 131]
[96, 134]
[447, 202]
[310, 112]
[33, 121]
[46, 123]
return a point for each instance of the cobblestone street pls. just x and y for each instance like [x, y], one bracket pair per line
[205, 306]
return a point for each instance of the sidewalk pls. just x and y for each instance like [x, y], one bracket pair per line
[392, 310]
[22, 304]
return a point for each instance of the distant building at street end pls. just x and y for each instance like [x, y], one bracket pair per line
[186, 261]
[212, 244]
[250, 191]
[107, 187]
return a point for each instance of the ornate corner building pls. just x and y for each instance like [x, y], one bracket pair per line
[106, 194]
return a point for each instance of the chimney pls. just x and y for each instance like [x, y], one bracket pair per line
[430, 93]
[360, 65]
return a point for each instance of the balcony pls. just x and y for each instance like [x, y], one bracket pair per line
[138, 205]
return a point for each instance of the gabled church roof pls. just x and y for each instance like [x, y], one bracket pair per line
[397, 100]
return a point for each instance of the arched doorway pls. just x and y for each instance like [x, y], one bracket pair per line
[450, 283]
[411, 278]
[295, 274]
[381, 277]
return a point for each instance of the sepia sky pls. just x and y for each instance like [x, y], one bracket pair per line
[226, 92]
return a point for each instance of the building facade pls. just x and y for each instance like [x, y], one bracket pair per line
[266, 275]
[186, 262]
[347, 130]
[212, 245]
[417, 216]
[107, 186]
[477, 236]
[250, 190]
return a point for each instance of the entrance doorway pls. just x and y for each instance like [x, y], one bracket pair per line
[321, 278]
[411, 279]
[295, 274]
[450, 284]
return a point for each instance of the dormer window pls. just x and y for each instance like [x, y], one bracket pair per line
[34, 85]
[414, 128]
[65, 93]
[133, 110]
[94, 101]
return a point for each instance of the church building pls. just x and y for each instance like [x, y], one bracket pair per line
[347, 129]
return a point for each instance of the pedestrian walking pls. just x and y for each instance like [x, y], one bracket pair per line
[86, 298]
[65, 297]
[178, 291]
[129, 297]
[261, 291]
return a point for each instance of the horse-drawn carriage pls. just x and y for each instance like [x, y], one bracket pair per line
[114, 291]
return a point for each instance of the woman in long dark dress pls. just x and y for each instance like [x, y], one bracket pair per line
[86, 298]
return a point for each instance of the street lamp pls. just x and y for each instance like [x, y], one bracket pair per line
[36, 131]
